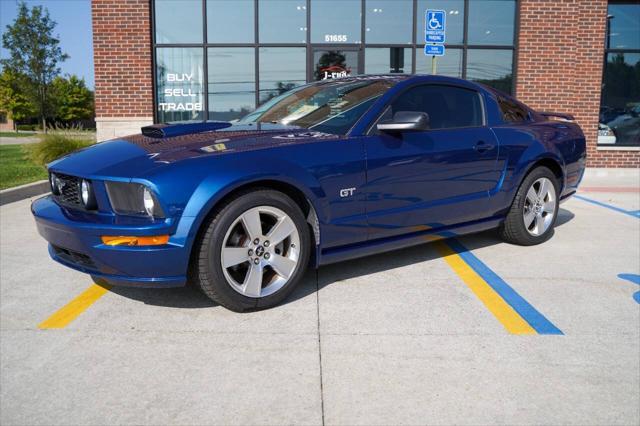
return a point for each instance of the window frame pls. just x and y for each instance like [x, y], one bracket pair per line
[416, 46]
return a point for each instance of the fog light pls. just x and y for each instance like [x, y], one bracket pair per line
[156, 240]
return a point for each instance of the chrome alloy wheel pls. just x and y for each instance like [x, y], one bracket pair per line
[260, 251]
[539, 207]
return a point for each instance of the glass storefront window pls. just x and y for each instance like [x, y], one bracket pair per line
[331, 64]
[230, 21]
[624, 26]
[180, 84]
[336, 22]
[449, 65]
[178, 21]
[282, 21]
[491, 22]
[491, 67]
[389, 21]
[281, 69]
[454, 16]
[387, 60]
[620, 102]
[231, 81]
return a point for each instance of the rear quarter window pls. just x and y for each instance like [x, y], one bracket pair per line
[513, 112]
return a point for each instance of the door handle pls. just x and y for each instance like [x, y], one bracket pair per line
[481, 147]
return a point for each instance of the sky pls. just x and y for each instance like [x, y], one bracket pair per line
[73, 30]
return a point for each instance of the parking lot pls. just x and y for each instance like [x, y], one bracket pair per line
[472, 331]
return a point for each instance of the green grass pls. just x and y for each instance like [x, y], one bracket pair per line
[16, 135]
[16, 168]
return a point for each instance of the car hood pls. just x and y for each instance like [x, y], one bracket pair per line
[135, 155]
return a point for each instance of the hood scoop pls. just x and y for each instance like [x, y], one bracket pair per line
[160, 131]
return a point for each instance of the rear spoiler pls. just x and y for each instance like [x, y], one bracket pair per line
[557, 115]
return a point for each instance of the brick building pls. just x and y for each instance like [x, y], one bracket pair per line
[174, 60]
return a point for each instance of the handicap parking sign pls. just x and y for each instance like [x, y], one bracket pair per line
[434, 50]
[434, 26]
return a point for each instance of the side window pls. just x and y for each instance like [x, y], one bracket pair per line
[511, 111]
[447, 106]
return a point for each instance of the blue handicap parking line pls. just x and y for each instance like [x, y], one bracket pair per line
[633, 213]
[535, 319]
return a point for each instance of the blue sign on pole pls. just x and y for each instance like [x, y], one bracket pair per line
[434, 26]
[434, 49]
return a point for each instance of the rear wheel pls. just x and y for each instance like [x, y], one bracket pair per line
[254, 251]
[534, 210]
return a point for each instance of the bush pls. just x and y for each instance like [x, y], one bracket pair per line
[27, 127]
[53, 146]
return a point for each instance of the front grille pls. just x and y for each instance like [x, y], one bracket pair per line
[74, 257]
[69, 187]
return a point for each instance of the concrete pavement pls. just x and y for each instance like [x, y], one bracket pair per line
[396, 338]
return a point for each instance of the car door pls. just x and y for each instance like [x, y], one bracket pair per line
[422, 180]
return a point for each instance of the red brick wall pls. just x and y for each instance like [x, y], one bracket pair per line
[122, 58]
[559, 66]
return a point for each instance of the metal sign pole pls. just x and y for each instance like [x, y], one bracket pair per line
[434, 62]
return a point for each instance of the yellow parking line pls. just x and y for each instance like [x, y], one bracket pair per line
[507, 316]
[73, 309]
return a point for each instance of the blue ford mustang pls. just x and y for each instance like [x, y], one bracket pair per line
[326, 172]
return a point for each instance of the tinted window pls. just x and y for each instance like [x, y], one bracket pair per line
[491, 67]
[231, 81]
[178, 21]
[447, 106]
[389, 21]
[335, 22]
[282, 21]
[624, 26]
[230, 21]
[281, 69]
[491, 22]
[180, 83]
[449, 64]
[387, 60]
[512, 112]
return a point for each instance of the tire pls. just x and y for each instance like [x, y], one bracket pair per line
[519, 227]
[257, 274]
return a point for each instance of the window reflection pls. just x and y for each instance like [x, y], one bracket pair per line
[231, 82]
[335, 22]
[449, 65]
[624, 26]
[281, 69]
[387, 60]
[620, 106]
[491, 22]
[283, 21]
[180, 84]
[178, 21]
[389, 21]
[230, 21]
[454, 18]
[491, 67]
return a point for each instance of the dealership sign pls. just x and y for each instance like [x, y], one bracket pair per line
[182, 98]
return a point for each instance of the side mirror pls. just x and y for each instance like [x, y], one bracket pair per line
[405, 121]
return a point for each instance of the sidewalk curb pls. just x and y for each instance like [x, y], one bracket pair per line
[23, 191]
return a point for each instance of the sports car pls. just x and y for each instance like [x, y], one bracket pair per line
[324, 173]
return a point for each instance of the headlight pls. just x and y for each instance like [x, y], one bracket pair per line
[133, 199]
[87, 196]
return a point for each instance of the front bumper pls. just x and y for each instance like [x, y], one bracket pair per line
[74, 241]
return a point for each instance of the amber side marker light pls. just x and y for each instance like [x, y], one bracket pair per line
[135, 241]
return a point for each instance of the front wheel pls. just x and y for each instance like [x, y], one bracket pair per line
[534, 210]
[254, 251]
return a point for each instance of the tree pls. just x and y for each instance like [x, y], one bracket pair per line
[12, 98]
[71, 100]
[34, 52]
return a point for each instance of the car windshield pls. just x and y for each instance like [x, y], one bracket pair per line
[330, 107]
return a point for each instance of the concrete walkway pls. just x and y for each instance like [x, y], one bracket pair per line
[397, 338]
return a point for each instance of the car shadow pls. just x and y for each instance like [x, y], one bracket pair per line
[189, 297]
